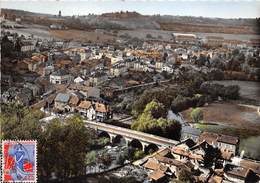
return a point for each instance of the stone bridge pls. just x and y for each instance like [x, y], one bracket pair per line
[133, 138]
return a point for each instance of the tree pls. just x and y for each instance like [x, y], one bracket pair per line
[138, 154]
[105, 158]
[164, 97]
[7, 47]
[91, 159]
[152, 121]
[156, 109]
[196, 115]
[58, 151]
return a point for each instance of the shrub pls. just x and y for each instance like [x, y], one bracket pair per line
[196, 115]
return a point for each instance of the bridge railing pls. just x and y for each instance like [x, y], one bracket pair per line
[131, 133]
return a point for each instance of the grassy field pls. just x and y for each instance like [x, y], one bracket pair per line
[227, 116]
[81, 36]
[232, 119]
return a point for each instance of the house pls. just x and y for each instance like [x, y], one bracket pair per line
[24, 96]
[57, 27]
[239, 174]
[86, 108]
[185, 38]
[74, 101]
[118, 70]
[32, 65]
[138, 66]
[60, 76]
[79, 80]
[97, 78]
[251, 164]
[159, 66]
[115, 59]
[167, 68]
[36, 89]
[194, 155]
[215, 41]
[158, 171]
[188, 132]
[157, 176]
[174, 165]
[83, 53]
[179, 153]
[85, 90]
[221, 141]
[18, 20]
[47, 70]
[61, 101]
[64, 63]
[27, 46]
[103, 111]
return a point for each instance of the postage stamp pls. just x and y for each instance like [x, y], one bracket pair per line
[19, 161]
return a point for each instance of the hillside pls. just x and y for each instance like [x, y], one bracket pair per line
[133, 20]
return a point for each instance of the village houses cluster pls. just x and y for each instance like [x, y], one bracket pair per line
[211, 158]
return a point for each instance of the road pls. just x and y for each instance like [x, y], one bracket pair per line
[132, 134]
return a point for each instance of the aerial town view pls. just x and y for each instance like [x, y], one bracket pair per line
[123, 91]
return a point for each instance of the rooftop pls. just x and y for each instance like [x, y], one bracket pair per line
[62, 97]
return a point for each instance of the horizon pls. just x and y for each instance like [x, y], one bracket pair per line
[223, 9]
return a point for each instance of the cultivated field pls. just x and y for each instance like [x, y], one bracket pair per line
[81, 36]
[229, 118]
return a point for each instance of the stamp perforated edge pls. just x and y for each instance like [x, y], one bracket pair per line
[2, 160]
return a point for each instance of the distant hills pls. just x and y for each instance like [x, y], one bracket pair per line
[135, 20]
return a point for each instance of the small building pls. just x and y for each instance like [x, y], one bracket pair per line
[18, 20]
[97, 78]
[118, 71]
[85, 90]
[185, 38]
[214, 41]
[103, 111]
[61, 101]
[167, 68]
[27, 46]
[221, 141]
[86, 109]
[239, 174]
[60, 77]
[188, 132]
[36, 89]
[159, 66]
[79, 80]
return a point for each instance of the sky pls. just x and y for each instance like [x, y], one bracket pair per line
[205, 8]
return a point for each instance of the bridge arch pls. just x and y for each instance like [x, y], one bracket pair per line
[151, 148]
[118, 139]
[104, 134]
[136, 144]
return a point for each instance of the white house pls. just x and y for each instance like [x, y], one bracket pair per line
[167, 68]
[60, 77]
[78, 80]
[27, 46]
[118, 70]
[86, 109]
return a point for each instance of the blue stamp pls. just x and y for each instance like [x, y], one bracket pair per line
[19, 161]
